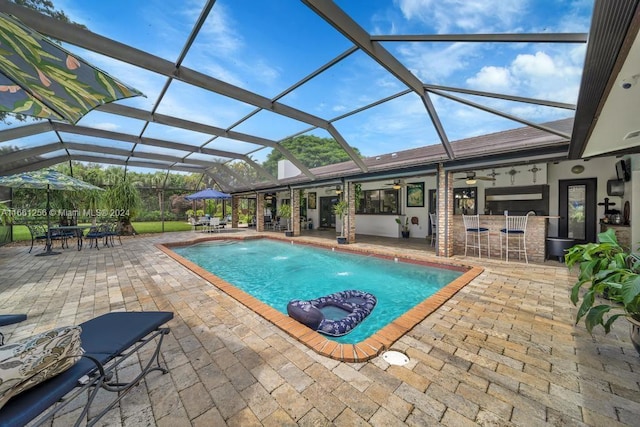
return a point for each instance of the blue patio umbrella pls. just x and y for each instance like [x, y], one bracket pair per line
[208, 193]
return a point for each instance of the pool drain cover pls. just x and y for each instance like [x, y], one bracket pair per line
[395, 358]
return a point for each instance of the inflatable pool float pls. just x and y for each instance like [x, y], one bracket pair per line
[336, 314]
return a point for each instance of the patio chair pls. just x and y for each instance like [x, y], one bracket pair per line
[434, 227]
[112, 230]
[95, 234]
[515, 227]
[61, 235]
[473, 233]
[38, 232]
[214, 224]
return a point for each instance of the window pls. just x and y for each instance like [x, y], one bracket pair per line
[379, 202]
[464, 201]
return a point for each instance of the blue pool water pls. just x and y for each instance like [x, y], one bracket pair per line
[276, 272]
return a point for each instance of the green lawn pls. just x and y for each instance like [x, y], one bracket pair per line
[20, 232]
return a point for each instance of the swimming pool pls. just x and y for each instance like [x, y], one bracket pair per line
[276, 272]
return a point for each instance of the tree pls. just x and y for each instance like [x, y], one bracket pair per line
[311, 150]
[123, 201]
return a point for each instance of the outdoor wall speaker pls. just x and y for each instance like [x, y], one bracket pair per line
[615, 187]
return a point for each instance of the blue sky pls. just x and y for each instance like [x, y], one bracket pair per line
[267, 46]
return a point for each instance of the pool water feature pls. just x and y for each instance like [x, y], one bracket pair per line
[276, 272]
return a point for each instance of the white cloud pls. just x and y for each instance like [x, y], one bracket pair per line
[106, 126]
[220, 33]
[553, 75]
[433, 63]
[534, 66]
[491, 78]
[478, 16]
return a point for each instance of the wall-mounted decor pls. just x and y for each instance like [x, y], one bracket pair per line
[415, 195]
[513, 173]
[534, 170]
[493, 175]
[312, 200]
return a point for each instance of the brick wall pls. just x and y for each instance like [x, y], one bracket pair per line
[536, 236]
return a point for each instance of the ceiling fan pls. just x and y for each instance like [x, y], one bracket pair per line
[398, 184]
[471, 178]
[334, 190]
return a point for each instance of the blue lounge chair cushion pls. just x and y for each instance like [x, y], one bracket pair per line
[9, 319]
[120, 331]
[477, 230]
[30, 403]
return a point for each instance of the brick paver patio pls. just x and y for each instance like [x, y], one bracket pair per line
[503, 351]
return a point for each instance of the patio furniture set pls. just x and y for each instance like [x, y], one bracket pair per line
[106, 231]
[514, 232]
[207, 224]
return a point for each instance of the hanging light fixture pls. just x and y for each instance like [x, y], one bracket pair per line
[470, 181]
[338, 189]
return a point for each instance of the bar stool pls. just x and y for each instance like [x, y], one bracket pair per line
[473, 230]
[515, 226]
[434, 227]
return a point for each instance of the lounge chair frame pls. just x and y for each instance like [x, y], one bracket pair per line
[102, 378]
[99, 374]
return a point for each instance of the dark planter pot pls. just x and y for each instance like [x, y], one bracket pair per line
[405, 234]
[635, 333]
[342, 240]
[288, 233]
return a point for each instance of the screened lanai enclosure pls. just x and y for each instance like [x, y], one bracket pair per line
[222, 95]
[336, 89]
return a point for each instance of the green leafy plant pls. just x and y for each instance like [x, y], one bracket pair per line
[285, 213]
[122, 201]
[341, 210]
[405, 226]
[610, 271]
[5, 213]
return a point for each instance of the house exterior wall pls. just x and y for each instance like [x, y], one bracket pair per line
[603, 169]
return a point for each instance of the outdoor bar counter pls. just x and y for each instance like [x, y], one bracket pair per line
[537, 227]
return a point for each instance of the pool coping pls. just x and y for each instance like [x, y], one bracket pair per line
[359, 352]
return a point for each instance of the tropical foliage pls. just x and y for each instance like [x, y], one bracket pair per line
[609, 271]
[341, 210]
[311, 150]
[122, 201]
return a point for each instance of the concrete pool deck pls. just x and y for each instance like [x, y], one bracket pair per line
[503, 351]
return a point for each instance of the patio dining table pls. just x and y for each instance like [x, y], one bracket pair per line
[76, 231]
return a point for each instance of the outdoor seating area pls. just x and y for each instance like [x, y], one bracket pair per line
[504, 350]
[102, 234]
[207, 224]
[214, 181]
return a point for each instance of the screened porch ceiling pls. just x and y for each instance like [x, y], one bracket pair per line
[400, 86]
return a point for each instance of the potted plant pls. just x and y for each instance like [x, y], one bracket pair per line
[404, 228]
[341, 210]
[285, 213]
[610, 271]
